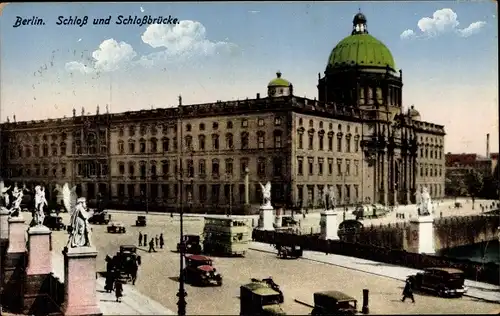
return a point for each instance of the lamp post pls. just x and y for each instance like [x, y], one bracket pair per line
[181, 303]
[229, 177]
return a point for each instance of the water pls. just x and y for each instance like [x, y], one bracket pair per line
[474, 252]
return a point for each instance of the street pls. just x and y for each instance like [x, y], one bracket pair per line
[157, 277]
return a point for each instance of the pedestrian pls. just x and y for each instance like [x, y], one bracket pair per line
[156, 241]
[133, 270]
[140, 239]
[152, 245]
[118, 290]
[145, 240]
[408, 291]
[108, 286]
[162, 242]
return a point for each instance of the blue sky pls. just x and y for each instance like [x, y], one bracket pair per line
[226, 51]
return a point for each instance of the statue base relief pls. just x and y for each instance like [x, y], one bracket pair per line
[422, 235]
[329, 225]
[80, 290]
[266, 217]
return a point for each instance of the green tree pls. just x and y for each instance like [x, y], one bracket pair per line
[455, 186]
[474, 182]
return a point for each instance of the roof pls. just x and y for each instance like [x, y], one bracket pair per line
[198, 257]
[279, 82]
[339, 296]
[206, 268]
[260, 288]
[448, 270]
[361, 50]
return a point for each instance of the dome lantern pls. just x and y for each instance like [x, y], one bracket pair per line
[359, 24]
[279, 86]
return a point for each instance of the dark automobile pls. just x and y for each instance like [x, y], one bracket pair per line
[287, 221]
[447, 282]
[54, 222]
[271, 284]
[125, 261]
[257, 298]
[200, 270]
[101, 218]
[140, 221]
[289, 251]
[334, 303]
[192, 243]
[116, 227]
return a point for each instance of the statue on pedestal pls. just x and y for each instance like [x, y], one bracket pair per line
[329, 197]
[80, 234]
[18, 197]
[426, 203]
[266, 193]
[5, 195]
[40, 202]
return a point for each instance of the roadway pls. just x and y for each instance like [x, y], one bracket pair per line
[158, 273]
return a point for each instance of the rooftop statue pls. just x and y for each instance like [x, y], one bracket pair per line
[266, 193]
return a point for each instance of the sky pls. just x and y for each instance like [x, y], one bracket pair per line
[448, 52]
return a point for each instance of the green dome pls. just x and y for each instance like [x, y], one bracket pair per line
[362, 50]
[279, 82]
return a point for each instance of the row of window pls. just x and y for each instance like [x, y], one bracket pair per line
[330, 171]
[330, 126]
[45, 138]
[431, 170]
[349, 141]
[432, 153]
[38, 170]
[344, 194]
[171, 167]
[143, 129]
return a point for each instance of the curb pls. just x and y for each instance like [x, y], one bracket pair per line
[373, 273]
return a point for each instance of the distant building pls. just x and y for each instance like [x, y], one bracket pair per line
[355, 136]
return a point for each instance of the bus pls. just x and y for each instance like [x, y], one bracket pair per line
[225, 236]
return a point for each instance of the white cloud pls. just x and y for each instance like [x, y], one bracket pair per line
[79, 40]
[472, 29]
[142, 9]
[442, 21]
[254, 12]
[407, 34]
[110, 56]
[185, 38]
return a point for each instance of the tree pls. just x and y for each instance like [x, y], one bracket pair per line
[455, 186]
[474, 182]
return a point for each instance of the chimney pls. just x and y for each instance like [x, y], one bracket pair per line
[487, 145]
[258, 95]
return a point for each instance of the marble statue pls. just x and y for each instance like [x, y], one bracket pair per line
[333, 199]
[329, 197]
[18, 198]
[325, 197]
[40, 202]
[426, 203]
[69, 194]
[5, 195]
[418, 197]
[80, 235]
[266, 193]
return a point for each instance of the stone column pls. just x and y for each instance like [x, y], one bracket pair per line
[422, 235]
[15, 262]
[80, 296]
[38, 272]
[329, 225]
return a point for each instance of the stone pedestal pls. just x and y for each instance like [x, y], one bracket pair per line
[278, 220]
[329, 225]
[4, 224]
[38, 273]
[15, 263]
[422, 235]
[80, 296]
[266, 217]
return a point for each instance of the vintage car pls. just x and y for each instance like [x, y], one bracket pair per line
[54, 222]
[269, 282]
[100, 218]
[288, 221]
[124, 262]
[200, 270]
[192, 244]
[447, 282]
[289, 251]
[370, 211]
[140, 221]
[116, 227]
[334, 303]
[257, 298]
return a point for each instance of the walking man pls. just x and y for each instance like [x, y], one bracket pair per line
[118, 290]
[162, 242]
[145, 240]
[156, 241]
[152, 245]
[140, 239]
[408, 291]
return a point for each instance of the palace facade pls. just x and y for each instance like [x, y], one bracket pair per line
[354, 136]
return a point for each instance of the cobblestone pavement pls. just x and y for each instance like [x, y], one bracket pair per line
[158, 273]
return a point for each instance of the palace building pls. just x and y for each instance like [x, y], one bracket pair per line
[354, 136]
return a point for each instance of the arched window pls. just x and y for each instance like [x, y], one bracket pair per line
[215, 167]
[244, 140]
[166, 144]
[278, 141]
[154, 145]
[131, 130]
[131, 169]
[189, 142]
[121, 147]
[215, 141]
[131, 146]
[229, 141]
[54, 149]
[45, 149]
[261, 167]
[62, 148]
[201, 142]
[92, 143]
[142, 145]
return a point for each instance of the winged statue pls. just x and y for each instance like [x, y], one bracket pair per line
[80, 233]
[5, 195]
[266, 193]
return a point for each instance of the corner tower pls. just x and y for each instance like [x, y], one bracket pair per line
[361, 72]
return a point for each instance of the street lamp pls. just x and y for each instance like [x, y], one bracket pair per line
[181, 303]
[229, 178]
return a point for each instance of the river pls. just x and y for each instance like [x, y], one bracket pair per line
[475, 252]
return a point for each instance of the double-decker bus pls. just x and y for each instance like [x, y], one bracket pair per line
[225, 236]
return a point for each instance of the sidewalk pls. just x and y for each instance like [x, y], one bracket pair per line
[133, 302]
[479, 290]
